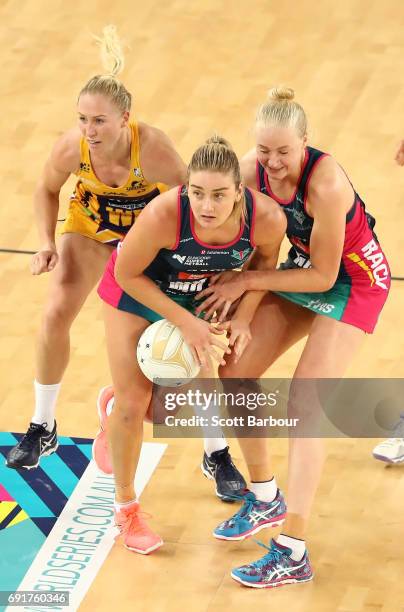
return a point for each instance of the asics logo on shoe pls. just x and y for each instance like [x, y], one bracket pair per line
[256, 516]
[46, 443]
[279, 571]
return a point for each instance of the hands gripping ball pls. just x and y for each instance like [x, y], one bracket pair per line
[164, 357]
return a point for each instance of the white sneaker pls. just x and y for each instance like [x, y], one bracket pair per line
[392, 449]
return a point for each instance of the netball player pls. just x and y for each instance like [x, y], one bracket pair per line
[331, 289]
[211, 225]
[121, 165]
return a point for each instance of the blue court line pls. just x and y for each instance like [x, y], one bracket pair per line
[10, 517]
[74, 458]
[60, 473]
[46, 489]
[87, 449]
[65, 441]
[82, 440]
[17, 487]
[7, 439]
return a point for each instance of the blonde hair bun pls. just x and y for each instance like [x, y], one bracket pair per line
[281, 94]
[219, 140]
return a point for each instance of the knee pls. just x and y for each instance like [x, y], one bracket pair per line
[130, 409]
[59, 315]
[304, 401]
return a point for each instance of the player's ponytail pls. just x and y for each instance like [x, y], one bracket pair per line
[113, 62]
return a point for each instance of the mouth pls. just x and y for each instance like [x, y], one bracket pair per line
[93, 142]
[208, 217]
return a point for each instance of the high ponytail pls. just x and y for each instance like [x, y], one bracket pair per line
[113, 62]
[112, 56]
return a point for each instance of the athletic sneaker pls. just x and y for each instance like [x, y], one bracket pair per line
[100, 444]
[219, 467]
[36, 443]
[137, 536]
[274, 569]
[253, 516]
[392, 449]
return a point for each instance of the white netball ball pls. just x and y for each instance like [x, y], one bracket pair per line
[164, 357]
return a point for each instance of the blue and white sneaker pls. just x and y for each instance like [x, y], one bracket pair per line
[274, 569]
[253, 516]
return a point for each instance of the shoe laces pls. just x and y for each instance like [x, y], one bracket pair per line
[273, 556]
[135, 520]
[245, 509]
[29, 439]
[223, 459]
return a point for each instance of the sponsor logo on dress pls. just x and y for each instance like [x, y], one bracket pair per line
[300, 243]
[299, 216]
[301, 261]
[240, 255]
[374, 263]
[180, 258]
[321, 306]
[188, 286]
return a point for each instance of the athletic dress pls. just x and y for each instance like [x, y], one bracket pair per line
[363, 281]
[184, 270]
[107, 213]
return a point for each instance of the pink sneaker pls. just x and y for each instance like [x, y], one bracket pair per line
[137, 536]
[105, 394]
[100, 445]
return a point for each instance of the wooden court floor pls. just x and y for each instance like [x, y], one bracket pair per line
[195, 68]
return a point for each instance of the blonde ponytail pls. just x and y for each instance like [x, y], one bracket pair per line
[112, 56]
[113, 62]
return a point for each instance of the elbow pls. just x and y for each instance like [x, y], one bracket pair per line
[127, 282]
[43, 195]
[120, 277]
[323, 280]
[328, 283]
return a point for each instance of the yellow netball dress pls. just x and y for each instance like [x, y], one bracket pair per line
[107, 213]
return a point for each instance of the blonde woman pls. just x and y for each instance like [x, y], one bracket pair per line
[120, 165]
[189, 232]
[331, 289]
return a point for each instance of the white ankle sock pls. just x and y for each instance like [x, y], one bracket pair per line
[124, 504]
[265, 491]
[213, 436]
[110, 405]
[298, 546]
[45, 404]
[212, 445]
